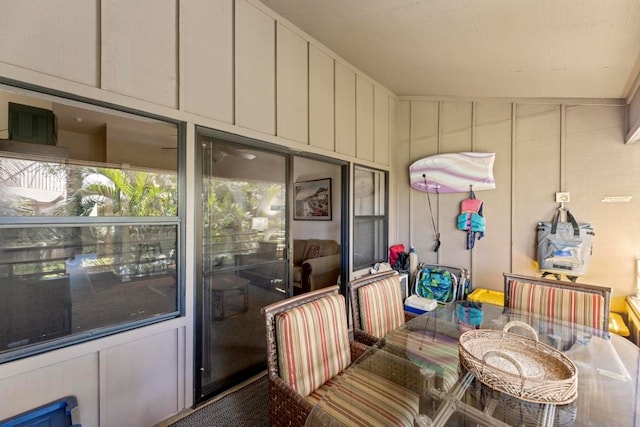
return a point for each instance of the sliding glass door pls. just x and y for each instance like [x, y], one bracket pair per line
[243, 259]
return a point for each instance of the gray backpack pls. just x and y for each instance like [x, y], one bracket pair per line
[564, 247]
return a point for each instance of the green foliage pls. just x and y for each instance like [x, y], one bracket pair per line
[119, 192]
[224, 211]
[228, 209]
[229, 206]
[129, 193]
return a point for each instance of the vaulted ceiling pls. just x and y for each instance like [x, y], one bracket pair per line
[481, 48]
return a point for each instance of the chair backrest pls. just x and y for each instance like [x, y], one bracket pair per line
[567, 301]
[308, 339]
[376, 303]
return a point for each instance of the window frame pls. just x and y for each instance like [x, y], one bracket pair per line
[178, 220]
[380, 201]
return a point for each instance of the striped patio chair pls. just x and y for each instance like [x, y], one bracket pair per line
[555, 299]
[309, 355]
[378, 313]
[376, 306]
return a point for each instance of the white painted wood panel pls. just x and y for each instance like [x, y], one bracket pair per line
[293, 86]
[403, 126]
[321, 99]
[132, 393]
[399, 177]
[139, 49]
[206, 47]
[381, 122]
[393, 121]
[424, 142]
[74, 377]
[364, 119]
[255, 82]
[455, 136]
[44, 38]
[400, 161]
[492, 254]
[424, 129]
[598, 165]
[537, 178]
[345, 110]
[455, 123]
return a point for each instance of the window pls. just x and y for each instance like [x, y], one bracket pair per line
[370, 224]
[89, 226]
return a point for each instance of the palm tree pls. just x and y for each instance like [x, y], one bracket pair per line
[129, 194]
[19, 180]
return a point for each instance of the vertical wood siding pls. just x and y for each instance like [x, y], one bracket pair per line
[539, 150]
[228, 64]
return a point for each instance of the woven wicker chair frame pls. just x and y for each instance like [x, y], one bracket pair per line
[286, 406]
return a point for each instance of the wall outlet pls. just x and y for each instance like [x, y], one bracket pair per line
[562, 197]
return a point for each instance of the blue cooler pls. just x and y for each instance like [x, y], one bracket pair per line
[54, 414]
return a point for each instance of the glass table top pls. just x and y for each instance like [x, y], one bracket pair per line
[423, 357]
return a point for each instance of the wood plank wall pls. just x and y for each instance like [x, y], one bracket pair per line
[228, 62]
[237, 66]
[541, 148]
[232, 65]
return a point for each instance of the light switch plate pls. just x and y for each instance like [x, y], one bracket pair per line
[562, 197]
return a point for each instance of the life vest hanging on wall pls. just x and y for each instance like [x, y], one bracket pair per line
[471, 219]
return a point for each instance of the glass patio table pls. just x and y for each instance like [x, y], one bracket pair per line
[423, 356]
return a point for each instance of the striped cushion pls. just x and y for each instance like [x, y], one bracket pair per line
[313, 343]
[359, 397]
[557, 303]
[381, 308]
[428, 350]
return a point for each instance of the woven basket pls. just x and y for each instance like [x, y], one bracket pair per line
[519, 366]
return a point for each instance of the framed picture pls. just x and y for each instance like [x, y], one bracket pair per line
[313, 200]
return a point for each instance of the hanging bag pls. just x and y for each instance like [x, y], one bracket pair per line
[564, 247]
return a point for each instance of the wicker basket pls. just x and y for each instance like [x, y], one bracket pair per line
[519, 366]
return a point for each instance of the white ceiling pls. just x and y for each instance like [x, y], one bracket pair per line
[481, 48]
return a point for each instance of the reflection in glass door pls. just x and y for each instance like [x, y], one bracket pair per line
[244, 265]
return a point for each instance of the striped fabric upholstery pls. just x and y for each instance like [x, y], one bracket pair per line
[381, 308]
[433, 351]
[556, 303]
[361, 398]
[313, 343]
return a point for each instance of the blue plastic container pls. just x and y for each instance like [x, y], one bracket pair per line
[54, 414]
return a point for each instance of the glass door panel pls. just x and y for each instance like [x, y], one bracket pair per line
[244, 265]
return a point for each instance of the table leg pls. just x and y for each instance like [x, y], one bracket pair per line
[427, 383]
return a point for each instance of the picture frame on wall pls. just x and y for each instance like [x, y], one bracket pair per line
[313, 200]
